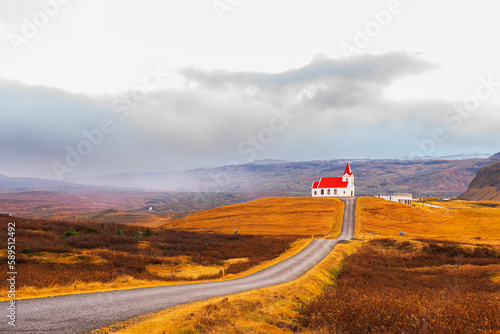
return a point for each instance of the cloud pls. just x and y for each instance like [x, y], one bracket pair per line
[367, 68]
[219, 107]
[336, 107]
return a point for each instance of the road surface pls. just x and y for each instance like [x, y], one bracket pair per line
[434, 206]
[86, 312]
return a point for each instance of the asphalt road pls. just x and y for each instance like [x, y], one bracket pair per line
[86, 312]
[434, 206]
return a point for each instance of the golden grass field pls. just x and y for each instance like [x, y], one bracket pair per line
[277, 309]
[300, 217]
[304, 216]
[185, 269]
[268, 310]
[137, 218]
[463, 220]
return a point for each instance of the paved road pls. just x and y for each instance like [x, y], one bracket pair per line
[86, 312]
[434, 206]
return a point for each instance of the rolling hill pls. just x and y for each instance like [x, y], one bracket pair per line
[486, 185]
[18, 184]
[463, 220]
[432, 178]
[178, 194]
[269, 216]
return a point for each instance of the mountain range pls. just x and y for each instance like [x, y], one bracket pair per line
[436, 178]
[486, 184]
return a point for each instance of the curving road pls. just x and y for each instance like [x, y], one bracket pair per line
[86, 312]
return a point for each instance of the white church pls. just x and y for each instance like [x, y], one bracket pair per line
[335, 186]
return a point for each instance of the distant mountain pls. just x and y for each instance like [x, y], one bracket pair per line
[437, 177]
[486, 184]
[19, 184]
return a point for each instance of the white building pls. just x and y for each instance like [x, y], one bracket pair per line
[335, 186]
[400, 198]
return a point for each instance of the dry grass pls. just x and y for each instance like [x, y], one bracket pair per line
[461, 204]
[129, 282]
[138, 218]
[303, 216]
[68, 258]
[424, 286]
[192, 271]
[97, 259]
[464, 220]
[268, 310]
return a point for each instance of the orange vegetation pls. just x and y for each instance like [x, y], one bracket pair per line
[58, 255]
[41, 203]
[269, 216]
[263, 311]
[403, 286]
[464, 220]
[138, 218]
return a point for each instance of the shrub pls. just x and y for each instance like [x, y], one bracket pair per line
[138, 235]
[383, 289]
[70, 233]
[91, 229]
[26, 250]
[119, 231]
[148, 233]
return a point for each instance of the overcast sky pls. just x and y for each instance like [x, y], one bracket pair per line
[111, 86]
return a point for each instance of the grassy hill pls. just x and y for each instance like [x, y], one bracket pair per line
[304, 216]
[462, 220]
[486, 184]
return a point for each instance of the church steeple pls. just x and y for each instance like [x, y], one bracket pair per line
[347, 170]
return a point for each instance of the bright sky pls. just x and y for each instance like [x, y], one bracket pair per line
[424, 56]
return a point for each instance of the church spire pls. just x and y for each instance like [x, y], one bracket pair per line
[347, 170]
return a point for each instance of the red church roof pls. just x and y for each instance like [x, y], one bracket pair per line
[347, 170]
[332, 182]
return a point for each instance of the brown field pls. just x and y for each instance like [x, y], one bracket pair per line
[406, 285]
[464, 220]
[45, 259]
[96, 256]
[304, 216]
[268, 310]
[114, 206]
[423, 286]
[112, 216]
[461, 204]
[39, 203]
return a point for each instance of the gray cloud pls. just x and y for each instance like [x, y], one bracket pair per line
[225, 107]
[338, 107]
[377, 69]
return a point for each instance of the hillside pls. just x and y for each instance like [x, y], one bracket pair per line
[269, 216]
[424, 178]
[486, 185]
[463, 220]
[60, 257]
[17, 184]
